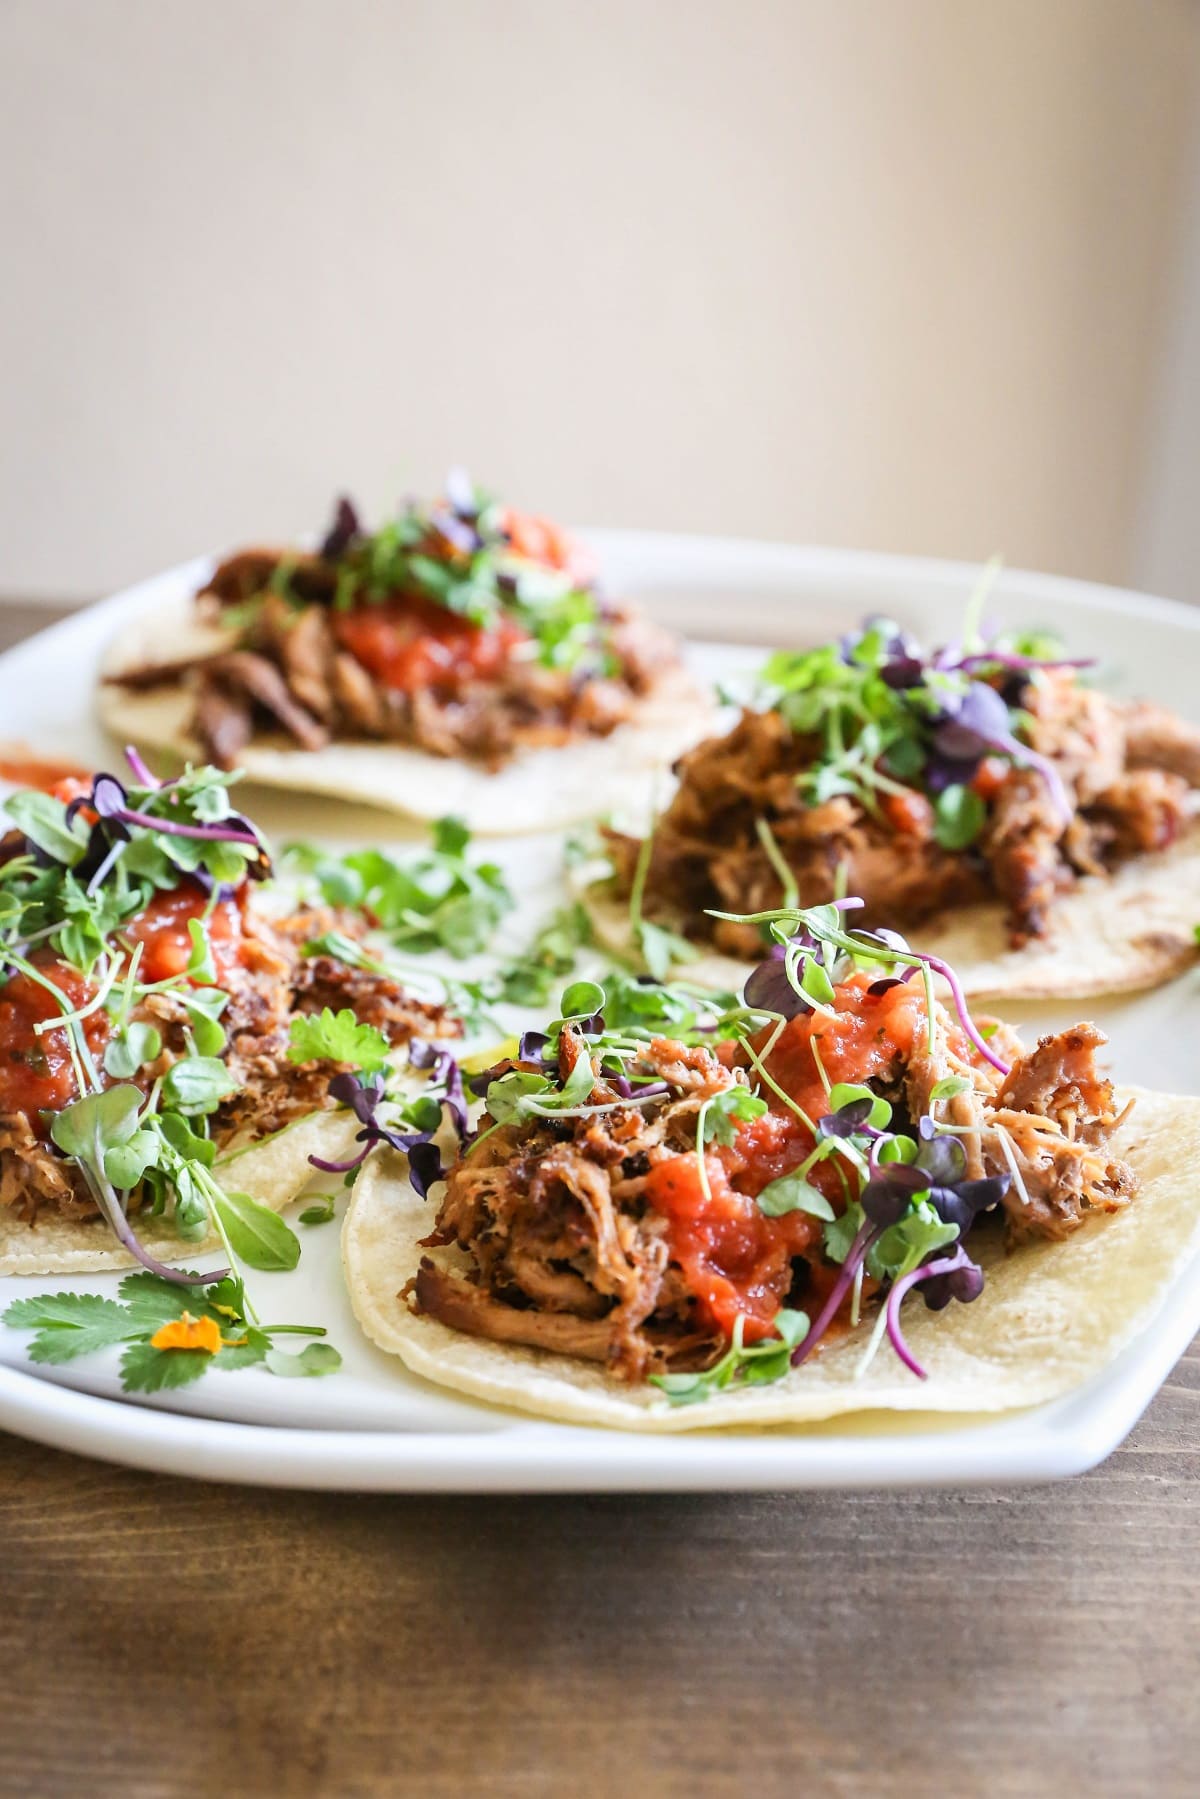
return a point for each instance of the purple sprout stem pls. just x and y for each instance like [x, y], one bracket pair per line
[1010, 659]
[947, 1265]
[118, 1223]
[169, 827]
[961, 1007]
[139, 768]
[837, 1293]
[346, 1166]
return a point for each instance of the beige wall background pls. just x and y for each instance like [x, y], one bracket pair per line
[896, 273]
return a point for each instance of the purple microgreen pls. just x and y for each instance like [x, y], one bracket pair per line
[342, 532]
[945, 1268]
[140, 769]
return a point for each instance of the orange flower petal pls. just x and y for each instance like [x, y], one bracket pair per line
[186, 1332]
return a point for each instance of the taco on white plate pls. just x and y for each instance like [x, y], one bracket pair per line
[1042, 836]
[841, 1197]
[461, 659]
[177, 1050]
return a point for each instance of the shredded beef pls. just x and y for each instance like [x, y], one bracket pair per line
[566, 1253]
[272, 984]
[1126, 770]
[289, 673]
[563, 1252]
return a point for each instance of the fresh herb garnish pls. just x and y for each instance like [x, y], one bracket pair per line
[439, 899]
[329, 1036]
[888, 718]
[479, 559]
[743, 1364]
[169, 1334]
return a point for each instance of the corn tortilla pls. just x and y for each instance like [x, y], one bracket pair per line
[538, 790]
[1051, 1314]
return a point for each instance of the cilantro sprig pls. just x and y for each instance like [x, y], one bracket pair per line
[216, 1319]
[439, 899]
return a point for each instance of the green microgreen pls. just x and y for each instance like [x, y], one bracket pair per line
[743, 1365]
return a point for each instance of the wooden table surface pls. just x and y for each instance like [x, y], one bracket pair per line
[162, 1636]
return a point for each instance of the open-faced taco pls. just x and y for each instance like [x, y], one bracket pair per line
[173, 1054]
[1042, 836]
[723, 1227]
[460, 660]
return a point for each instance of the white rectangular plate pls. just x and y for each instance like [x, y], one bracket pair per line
[375, 1426]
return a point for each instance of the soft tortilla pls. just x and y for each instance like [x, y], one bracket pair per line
[1115, 933]
[274, 1172]
[538, 790]
[1051, 1314]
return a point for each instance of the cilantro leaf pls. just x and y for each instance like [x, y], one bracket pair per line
[145, 1369]
[660, 948]
[70, 1324]
[330, 1036]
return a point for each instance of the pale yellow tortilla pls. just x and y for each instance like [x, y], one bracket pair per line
[1118, 933]
[1050, 1315]
[274, 1172]
[539, 790]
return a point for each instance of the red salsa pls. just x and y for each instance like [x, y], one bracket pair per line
[408, 643]
[163, 929]
[45, 776]
[36, 1071]
[735, 1260]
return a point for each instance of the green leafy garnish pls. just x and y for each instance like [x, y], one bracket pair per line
[438, 900]
[792, 1193]
[959, 816]
[321, 1212]
[529, 978]
[258, 1236]
[329, 1036]
[754, 1364]
[69, 1325]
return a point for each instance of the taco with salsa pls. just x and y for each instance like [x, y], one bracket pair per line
[840, 1196]
[461, 659]
[174, 1042]
[1042, 836]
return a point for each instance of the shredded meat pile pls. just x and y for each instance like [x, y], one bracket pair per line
[273, 983]
[566, 1254]
[288, 672]
[1126, 768]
